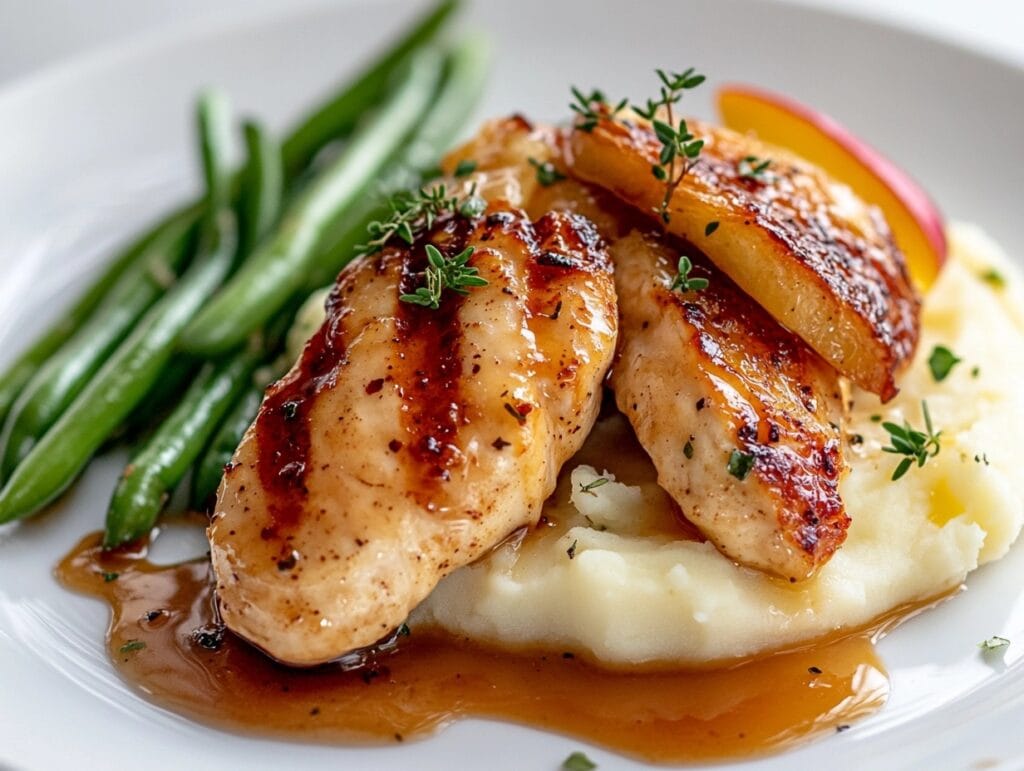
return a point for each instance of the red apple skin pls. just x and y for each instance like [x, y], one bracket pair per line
[913, 198]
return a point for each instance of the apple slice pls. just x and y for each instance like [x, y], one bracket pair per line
[915, 220]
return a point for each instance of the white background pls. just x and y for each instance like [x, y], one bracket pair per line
[36, 34]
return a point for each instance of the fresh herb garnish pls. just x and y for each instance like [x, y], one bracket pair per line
[403, 631]
[131, 646]
[941, 362]
[682, 280]
[994, 643]
[740, 464]
[876, 418]
[591, 486]
[413, 211]
[918, 446]
[752, 167]
[592, 108]
[710, 228]
[444, 273]
[688, 449]
[465, 167]
[571, 551]
[108, 577]
[975, 371]
[994, 278]
[577, 761]
[679, 148]
[547, 174]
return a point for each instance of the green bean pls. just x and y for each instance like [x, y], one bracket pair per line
[138, 362]
[262, 187]
[466, 71]
[210, 467]
[117, 388]
[21, 370]
[153, 472]
[158, 403]
[213, 123]
[277, 270]
[340, 115]
[62, 377]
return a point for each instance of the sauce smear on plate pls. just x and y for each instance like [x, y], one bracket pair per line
[166, 641]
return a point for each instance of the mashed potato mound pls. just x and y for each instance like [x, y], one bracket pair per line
[612, 571]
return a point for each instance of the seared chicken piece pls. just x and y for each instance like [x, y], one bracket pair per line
[701, 375]
[408, 441]
[803, 246]
[739, 416]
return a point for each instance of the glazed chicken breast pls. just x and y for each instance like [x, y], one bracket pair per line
[700, 375]
[739, 416]
[408, 441]
[816, 257]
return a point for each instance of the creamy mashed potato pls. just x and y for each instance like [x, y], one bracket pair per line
[639, 588]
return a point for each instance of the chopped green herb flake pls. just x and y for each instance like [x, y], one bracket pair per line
[591, 486]
[941, 362]
[975, 371]
[403, 631]
[108, 577]
[740, 464]
[465, 167]
[577, 761]
[754, 168]
[994, 278]
[131, 646]
[876, 418]
[994, 643]
[547, 174]
[688, 450]
[710, 228]
[682, 281]
[917, 446]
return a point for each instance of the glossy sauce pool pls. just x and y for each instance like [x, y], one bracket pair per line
[165, 640]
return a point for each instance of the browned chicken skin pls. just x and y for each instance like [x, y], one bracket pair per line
[407, 441]
[808, 250]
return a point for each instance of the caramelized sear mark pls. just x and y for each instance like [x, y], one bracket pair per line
[819, 259]
[375, 468]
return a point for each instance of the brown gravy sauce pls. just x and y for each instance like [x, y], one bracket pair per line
[165, 640]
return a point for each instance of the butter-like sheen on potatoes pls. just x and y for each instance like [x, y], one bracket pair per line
[632, 593]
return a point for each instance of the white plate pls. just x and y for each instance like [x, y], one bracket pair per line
[91, 151]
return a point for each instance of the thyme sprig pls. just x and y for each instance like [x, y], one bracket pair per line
[679, 148]
[444, 273]
[414, 211]
[917, 446]
[592, 108]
